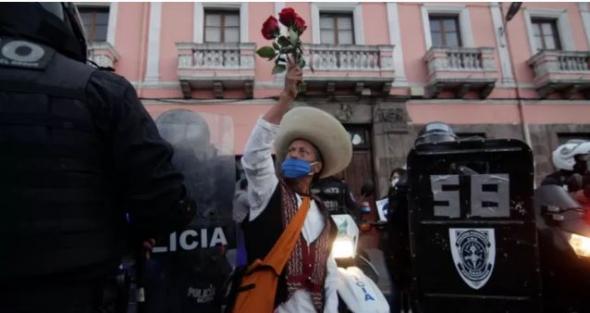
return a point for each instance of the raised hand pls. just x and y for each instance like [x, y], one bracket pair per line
[293, 78]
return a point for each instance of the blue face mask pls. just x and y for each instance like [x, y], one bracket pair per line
[295, 168]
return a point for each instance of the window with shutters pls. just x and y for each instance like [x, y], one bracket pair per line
[222, 26]
[445, 31]
[545, 34]
[96, 20]
[336, 28]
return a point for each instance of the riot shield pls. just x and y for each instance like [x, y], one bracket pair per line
[472, 227]
[187, 269]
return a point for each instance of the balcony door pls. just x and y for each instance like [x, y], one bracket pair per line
[96, 20]
[222, 26]
[445, 31]
[336, 29]
[546, 34]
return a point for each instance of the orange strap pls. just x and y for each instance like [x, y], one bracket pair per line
[259, 285]
[281, 252]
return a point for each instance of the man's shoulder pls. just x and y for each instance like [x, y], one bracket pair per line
[110, 94]
[108, 81]
[97, 80]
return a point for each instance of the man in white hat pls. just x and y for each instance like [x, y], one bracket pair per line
[309, 144]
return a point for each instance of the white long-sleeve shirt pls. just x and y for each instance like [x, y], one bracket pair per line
[262, 182]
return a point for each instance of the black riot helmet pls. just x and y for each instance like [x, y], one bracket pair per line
[435, 132]
[55, 24]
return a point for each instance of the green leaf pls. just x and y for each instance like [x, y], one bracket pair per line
[279, 68]
[276, 46]
[284, 41]
[266, 52]
[293, 36]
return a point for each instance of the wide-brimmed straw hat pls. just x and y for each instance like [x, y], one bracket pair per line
[322, 130]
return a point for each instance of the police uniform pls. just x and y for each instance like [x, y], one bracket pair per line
[335, 195]
[79, 151]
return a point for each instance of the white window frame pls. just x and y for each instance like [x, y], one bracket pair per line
[563, 27]
[584, 9]
[396, 41]
[464, 22]
[357, 18]
[199, 15]
[112, 28]
[502, 47]
[112, 22]
[152, 73]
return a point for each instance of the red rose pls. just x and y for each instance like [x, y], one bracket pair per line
[299, 25]
[270, 28]
[287, 16]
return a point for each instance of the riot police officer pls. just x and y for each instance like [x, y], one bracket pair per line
[188, 276]
[568, 159]
[471, 224]
[84, 169]
[435, 132]
[336, 196]
[399, 260]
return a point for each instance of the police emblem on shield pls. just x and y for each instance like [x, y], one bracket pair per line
[474, 254]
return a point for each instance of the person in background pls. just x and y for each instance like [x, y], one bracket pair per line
[394, 178]
[336, 195]
[568, 159]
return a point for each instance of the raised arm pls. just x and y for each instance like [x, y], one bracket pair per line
[289, 93]
[257, 159]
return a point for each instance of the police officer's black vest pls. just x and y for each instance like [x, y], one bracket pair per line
[333, 194]
[55, 212]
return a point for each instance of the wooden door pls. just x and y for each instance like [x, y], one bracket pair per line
[358, 173]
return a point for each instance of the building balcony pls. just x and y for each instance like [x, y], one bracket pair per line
[216, 66]
[566, 72]
[363, 70]
[103, 54]
[461, 70]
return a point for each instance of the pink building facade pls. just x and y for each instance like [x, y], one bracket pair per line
[383, 69]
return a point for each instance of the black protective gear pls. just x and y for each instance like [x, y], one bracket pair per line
[81, 160]
[336, 196]
[54, 24]
[435, 132]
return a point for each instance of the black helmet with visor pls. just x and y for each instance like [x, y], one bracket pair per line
[55, 24]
